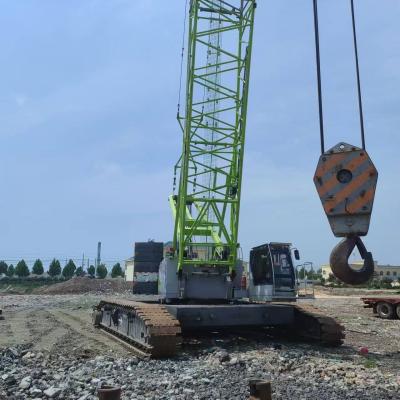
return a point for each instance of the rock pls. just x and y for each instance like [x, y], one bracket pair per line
[224, 356]
[52, 392]
[13, 351]
[28, 355]
[25, 383]
[10, 381]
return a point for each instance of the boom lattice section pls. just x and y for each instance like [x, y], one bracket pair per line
[206, 208]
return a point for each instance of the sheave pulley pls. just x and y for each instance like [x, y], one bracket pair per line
[346, 179]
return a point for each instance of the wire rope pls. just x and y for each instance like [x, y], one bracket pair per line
[318, 61]
[182, 55]
[360, 107]
[318, 65]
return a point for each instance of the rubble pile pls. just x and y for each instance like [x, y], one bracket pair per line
[216, 373]
[85, 284]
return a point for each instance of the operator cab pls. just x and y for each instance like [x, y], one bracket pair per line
[271, 272]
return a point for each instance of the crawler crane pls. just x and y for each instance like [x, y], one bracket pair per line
[203, 283]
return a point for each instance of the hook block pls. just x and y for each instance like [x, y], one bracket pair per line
[346, 180]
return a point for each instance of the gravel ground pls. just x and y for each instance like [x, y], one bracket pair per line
[48, 349]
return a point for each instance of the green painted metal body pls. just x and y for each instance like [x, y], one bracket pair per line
[206, 207]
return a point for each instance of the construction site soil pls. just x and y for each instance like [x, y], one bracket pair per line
[85, 284]
[49, 349]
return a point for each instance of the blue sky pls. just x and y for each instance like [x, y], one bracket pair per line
[89, 137]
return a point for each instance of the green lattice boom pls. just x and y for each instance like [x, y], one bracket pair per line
[206, 207]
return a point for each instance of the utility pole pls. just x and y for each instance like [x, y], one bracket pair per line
[98, 261]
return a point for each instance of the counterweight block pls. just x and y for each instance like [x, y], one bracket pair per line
[346, 179]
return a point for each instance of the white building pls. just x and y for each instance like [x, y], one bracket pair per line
[381, 271]
[129, 263]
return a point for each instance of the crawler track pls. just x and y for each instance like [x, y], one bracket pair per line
[312, 324]
[148, 328]
[152, 332]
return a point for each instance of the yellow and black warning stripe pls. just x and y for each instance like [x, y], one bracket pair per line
[346, 182]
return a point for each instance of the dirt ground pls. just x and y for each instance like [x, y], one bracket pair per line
[60, 325]
[53, 321]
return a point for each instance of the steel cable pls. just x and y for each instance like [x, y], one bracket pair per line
[318, 64]
[318, 61]
[182, 55]
[360, 107]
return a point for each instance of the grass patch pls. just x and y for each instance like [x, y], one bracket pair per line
[23, 287]
[369, 363]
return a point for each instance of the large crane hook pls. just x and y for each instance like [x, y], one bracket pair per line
[339, 261]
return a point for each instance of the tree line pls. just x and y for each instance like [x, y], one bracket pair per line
[303, 273]
[21, 270]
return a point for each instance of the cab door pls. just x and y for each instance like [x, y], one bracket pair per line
[283, 272]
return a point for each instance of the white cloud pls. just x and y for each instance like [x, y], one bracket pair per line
[20, 99]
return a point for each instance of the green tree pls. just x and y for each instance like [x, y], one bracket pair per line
[80, 272]
[22, 269]
[69, 269]
[37, 268]
[55, 268]
[116, 271]
[386, 283]
[334, 281]
[302, 273]
[316, 275]
[375, 284]
[91, 271]
[10, 271]
[3, 267]
[101, 271]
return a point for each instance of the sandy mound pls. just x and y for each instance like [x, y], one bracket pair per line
[78, 285]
